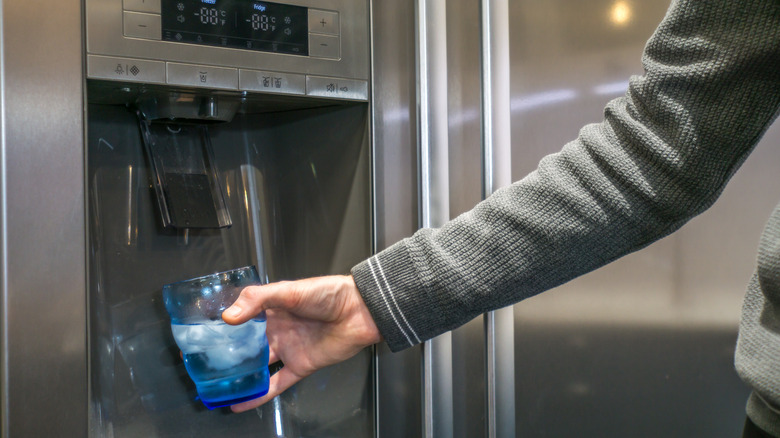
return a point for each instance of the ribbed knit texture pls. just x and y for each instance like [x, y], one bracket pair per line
[662, 155]
[758, 348]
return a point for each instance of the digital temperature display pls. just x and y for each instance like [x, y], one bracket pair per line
[240, 24]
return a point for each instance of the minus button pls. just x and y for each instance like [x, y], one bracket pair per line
[141, 25]
[324, 46]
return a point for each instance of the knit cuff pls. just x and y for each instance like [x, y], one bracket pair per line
[766, 417]
[391, 288]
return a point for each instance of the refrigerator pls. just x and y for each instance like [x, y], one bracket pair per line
[364, 123]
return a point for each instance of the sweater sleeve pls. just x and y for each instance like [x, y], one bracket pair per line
[662, 154]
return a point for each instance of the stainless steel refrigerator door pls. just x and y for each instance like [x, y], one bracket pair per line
[42, 260]
[464, 77]
[643, 347]
[43, 234]
[396, 209]
[448, 57]
[479, 146]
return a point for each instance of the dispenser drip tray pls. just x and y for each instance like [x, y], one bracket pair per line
[185, 175]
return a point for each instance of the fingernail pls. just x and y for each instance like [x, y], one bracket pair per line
[233, 311]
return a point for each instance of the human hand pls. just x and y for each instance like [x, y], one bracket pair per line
[311, 324]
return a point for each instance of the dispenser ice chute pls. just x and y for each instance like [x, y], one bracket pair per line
[175, 133]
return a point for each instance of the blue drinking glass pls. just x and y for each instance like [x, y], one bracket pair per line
[229, 364]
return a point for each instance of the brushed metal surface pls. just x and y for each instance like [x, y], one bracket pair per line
[644, 346]
[432, 98]
[44, 380]
[465, 168]
[396, 210]
[324, 22]
[324, 46]
[497, 143]
[104, 37]
[434, 195]
[152, 6]
[142, 25]
[61, 222]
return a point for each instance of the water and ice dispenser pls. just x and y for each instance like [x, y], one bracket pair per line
[221, 133]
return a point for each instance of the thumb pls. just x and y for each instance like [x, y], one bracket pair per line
[252, 301]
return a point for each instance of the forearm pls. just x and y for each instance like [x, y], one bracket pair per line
[662, 155]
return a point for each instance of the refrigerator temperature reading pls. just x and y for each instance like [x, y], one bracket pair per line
[260, 22]
[240, 24]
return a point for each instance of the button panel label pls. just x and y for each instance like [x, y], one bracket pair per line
[124, 69]
[272, 82]
[338, 88]
[202, 76]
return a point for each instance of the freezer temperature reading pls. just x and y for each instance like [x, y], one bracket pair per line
[212, 16]
[252, 25]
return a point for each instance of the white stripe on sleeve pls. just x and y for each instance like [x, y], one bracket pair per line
[382, 293]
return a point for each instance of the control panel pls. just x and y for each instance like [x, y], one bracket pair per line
[299, 47]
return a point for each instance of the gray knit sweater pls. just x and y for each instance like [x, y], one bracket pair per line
[662, 155]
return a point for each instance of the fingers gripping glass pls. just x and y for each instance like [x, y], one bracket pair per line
[229, 364]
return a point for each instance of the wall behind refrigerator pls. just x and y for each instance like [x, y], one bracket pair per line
[642, 347]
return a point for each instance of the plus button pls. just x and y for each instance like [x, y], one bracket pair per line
[323, 22]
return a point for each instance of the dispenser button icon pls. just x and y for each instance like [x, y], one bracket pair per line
[274, 82]
[126, 69]
[202, 76]
[341, 88]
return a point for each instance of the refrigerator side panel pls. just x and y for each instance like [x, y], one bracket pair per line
[399, 390]
[43, 261]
